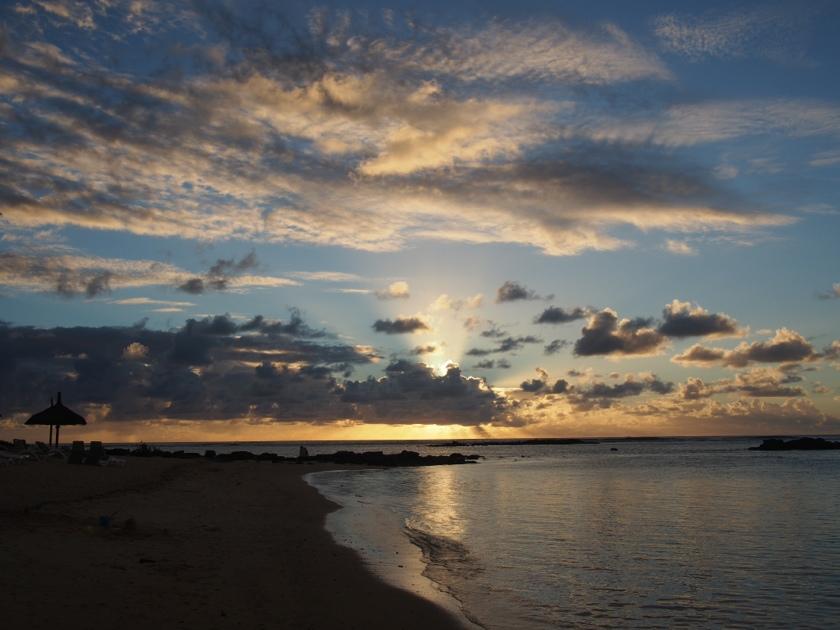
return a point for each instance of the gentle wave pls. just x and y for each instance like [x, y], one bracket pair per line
[668, 534]
[448, 563]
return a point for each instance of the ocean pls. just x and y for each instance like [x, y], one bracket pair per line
[659, 533]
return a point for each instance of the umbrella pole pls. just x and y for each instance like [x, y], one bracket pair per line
[57, 429]
[50, 442]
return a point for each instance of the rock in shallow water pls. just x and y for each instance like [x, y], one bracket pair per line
[800, 444]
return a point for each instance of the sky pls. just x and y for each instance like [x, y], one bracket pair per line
[263, 221]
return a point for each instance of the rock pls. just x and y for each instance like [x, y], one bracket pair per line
[522, 442]
[379, 458]
[800, 444]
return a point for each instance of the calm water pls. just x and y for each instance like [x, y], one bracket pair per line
[658, 534]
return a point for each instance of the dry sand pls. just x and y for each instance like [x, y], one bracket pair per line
[232, 545]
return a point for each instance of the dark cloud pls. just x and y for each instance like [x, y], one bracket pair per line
[508, 344]
[66, 276]
[606, 334]
[627, 388]
[230, 266]
[79, 136]
[494, 332]
[219, 274]
[490, 364]
[532, 385]
[556, 346]
[512, 291]
[211, 368]
[755, 383]
[412, 392]
[558, 315]
[698, 353]
[535, 385]
[421, 350]
[681, 319]
[194, 286]
[561, 386]
[400, 325]
[787, 346]
[833, 294]
[295, 326]
[603, 395]
[99, 284]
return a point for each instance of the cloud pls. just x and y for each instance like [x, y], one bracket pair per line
[412, 392]
[773, 32]
[606, 334]
[512, 291]
[135, 351]
[490, 364]
[535, 385]
[682, 319]
[786, 346]
[681, 248]
[326, 276]
[508, 344]
[394, 291]
[225, 272]
[445, 303]
[145, 301]
[630, 387]
[400, 325]
[700, 354]
[825, 158]
[703, 122]
[561, 386]
[556, 346]
[73, 274]
[337, 137]
[545, 50]
[493, 332]
[421, 350]
[472, 323]
[753, 383]
[211, 368]
[557, 315]
[831, 295]
[597, 395]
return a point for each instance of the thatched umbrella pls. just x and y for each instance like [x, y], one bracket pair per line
[56, 415]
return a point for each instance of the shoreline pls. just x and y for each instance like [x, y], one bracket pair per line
[383, 542]
[187, 544]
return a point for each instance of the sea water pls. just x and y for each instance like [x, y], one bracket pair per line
[666, 533]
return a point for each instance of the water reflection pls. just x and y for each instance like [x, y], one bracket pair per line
[661, 535]
[437, 505]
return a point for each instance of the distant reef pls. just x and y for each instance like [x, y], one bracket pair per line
[799, 444]
[527, 442]
[367, 458]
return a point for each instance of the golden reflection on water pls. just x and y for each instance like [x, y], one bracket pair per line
[650, 537]
[438, 502]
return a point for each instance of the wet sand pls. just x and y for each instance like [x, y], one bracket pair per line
[232, 545]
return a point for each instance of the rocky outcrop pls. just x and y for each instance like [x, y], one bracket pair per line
[799, 444]
[367, 458]
[523, 442]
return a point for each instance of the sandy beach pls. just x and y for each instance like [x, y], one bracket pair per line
[188, 544]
